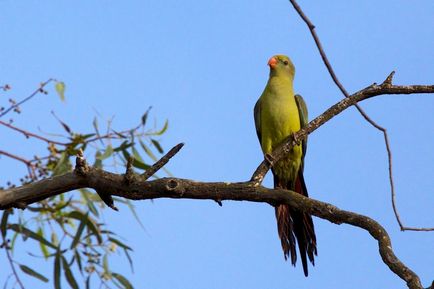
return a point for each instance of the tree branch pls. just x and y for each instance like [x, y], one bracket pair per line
[15, 105]
[329, 67]
[28, 134]
[136, 187]
[139, 189]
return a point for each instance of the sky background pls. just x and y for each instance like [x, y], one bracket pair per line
[202, 66]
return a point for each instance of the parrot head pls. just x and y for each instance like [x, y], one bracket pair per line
[281, 65]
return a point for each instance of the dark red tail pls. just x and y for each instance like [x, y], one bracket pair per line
[293, 225]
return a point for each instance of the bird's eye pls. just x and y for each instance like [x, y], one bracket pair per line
[286, 62]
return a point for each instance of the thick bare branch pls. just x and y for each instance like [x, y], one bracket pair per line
[139, 189]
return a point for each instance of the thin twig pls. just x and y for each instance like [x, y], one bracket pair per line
[40, 89]
[28, 134]
[311, 27]
[11, 263]
[30, 166]
[161, 162]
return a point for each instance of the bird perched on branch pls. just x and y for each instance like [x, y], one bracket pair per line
[278, 114]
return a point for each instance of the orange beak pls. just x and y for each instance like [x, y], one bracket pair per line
[272, 62]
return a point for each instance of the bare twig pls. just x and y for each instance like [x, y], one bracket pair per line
[315, 37]
[11, 262]
[161, 162]
[40, 89]
[28, 134]
[29, 165]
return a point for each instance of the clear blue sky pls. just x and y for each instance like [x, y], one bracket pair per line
[202, 65]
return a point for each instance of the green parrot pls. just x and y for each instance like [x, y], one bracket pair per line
[278, 114]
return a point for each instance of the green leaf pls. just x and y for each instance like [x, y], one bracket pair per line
[44, 249]
[4, 222]
[136, 155]
[78, 235]
[88, 282]
[136, 163]
[124, 145]
[136, 216]
[68, 274]
[95, 124]
[107, 153]
[63, 165]
[147, 150]
[57, 268]
[145, 116]
[119, 134]
[105, 264]
[28, 233]
[78, 258]
[157, 146]
[129, 260]
[163, 130]
[88, 221]
[124, 281]
[119, 243]
[85, 193]
[54, 239]
[33, 273]
[60, 89]
[98, 161]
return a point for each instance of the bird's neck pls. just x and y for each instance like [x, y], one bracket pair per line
[279, 82]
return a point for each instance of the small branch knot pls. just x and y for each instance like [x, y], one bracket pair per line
[129, 173]
[171, 185]
[81, 167]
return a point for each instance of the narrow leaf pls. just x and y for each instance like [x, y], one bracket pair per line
[63, 165]
[105, 264]
[57, 268]
[98, 161]
[78, 235]
[129, 260]
[163, 130]
[107, 153]
[68, 274]
[78, 258]
[145, 116]
[119, 243]
[147, 150]
[28, 233]
[88, 282]
[157, 146]
[33, 273]
[4, 222]
[90, 224]
[124, 281]
[43, 247]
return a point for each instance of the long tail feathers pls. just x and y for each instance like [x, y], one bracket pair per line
[296, 227]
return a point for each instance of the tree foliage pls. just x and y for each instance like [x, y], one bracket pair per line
[69, 229]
